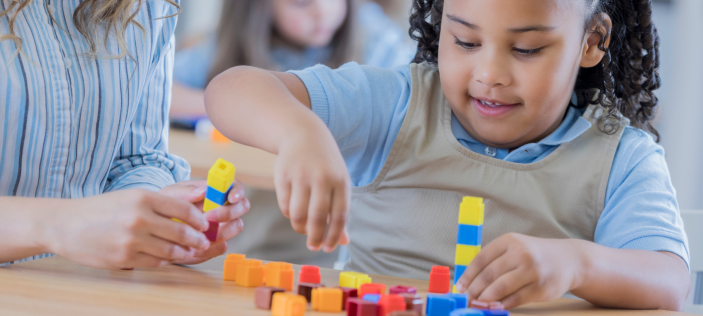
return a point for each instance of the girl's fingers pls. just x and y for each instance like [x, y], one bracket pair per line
[299, 201]
[524, 295]
[190, 191]
[178, 233]
[165, 250]
[169, 207]
[237, 192]
[229, 212]
[492, 272]
[344, 239]
[283, 192]
[505, 285]
[491, 252]
[337, 219]
[320, 200]
[230, 229]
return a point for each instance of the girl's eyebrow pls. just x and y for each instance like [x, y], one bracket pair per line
[530, 28]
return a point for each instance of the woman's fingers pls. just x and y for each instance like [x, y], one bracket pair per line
[237, 192]
[178, 233]
[230, 229]
[229, 212]
[165, 250]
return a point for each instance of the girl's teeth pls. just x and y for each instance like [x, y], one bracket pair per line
[486, 103]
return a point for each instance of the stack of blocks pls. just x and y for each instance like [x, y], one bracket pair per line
[469, 234]
[220, 179]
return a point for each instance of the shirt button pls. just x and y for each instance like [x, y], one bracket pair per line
[67, 62]
[490, 151]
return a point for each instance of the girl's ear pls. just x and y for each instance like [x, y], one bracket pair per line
[592, 55]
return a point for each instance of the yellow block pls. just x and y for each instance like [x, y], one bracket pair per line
[465, 254]
[471, 211]
[221, 176]
[209, 205]
[353, 279]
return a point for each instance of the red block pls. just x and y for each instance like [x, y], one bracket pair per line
[440, 280]
[413, 302]
[359, 307]
[398, 289]
[347, 293]
[390, 303]
[372, 288]
[309, 274]
[211, 232]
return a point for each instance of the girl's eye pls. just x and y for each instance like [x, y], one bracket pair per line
[528, 52]
[466, 45]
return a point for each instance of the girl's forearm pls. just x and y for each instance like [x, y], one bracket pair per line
[258, 108]
[22, 226]
[629, 278]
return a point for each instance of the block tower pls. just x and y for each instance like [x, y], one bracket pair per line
[468, 241]
[220, 179]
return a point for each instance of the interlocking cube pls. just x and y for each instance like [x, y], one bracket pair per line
[305, 289]
[309, 274]
[466, 312]
[439, 305]
[372, 297]
[390, 303]
[471, 211]
[461, 299]
[279, 274]
[496, 312]
[327, 299]
[440, 280]
[250, 273]
[469, 234]
[372, 288]
[398, 289]
[229, 272]
[413, 302]
[220, 179]
[285, 304]
[353, 279]
[264, 295]
[348, 293]
[359, 307]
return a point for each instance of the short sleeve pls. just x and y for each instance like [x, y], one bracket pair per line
[364, 107]
[640, 209]
[192, 64]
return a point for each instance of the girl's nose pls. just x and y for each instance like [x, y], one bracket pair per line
[492, 69]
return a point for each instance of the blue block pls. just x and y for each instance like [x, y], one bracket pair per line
[469, 235]
[496, 312]
[461, 299]
[467, 312]
[439, 305]
[216, 196]
[372, 297]
[458, 272]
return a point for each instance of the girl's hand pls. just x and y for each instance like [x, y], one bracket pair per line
[517, 269]
[313, 187]
[125, 229]
[228, 215]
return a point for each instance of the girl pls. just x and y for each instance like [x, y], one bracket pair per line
[83, 138]
[286, 35]
[540, 107]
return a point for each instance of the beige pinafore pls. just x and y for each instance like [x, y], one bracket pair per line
[405, 221]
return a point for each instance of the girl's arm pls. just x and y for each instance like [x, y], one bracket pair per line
[186, 102]
[271, 111]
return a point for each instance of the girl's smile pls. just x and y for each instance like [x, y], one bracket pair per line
[492, 108]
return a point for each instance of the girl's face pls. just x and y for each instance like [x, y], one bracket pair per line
[309, 23]
[508, 67]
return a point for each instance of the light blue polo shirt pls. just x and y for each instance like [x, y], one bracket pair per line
[364, 108]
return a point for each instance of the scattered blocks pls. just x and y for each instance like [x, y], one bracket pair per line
[398, 289]
[285, 304]
[348, 293]
[229, 272]
[279, 274]
[327, 299]
[309, 274]
[305, 289]
[440, 280]
[466, 312]
[372, 288]
[390, 303]
[439, 305]
[250, 273]
[353, 279]
[413, 302]
[374, 298]
[469, 234]
[359, 307]
[220, 179]
[264, 295]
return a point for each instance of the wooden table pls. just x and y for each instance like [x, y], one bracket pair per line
[56, 286]
[254, 166]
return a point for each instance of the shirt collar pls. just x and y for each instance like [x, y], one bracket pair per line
[571, 127]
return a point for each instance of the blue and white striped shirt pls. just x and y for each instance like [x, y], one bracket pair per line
[74, 127]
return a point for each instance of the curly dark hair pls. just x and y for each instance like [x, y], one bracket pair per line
[627, 76]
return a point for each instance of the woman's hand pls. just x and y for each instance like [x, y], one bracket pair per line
[125, 229]
[313, 187]
[228, 215]
[518, 269]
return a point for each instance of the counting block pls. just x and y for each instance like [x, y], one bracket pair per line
[250, 273]
[348, 293]
[469, 235]
[413, 302]
[327, 299]
[439, 305]
[398, 289]
[458, 272]
[461, 299]
[229, 272]
[279, 274]
[264, 295]
[359, 307]
[471, 211]
[220, 179]
[465, 254]
[466, 312]
[309, 274]
[496, 312]
[440, 280]
[372, 288]
[285, 304]
[353, 279]
[372, 297]
[390, 303]
[305, 289]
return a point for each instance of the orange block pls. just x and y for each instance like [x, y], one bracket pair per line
[279, 274]
[229, 272]
[327, 300]
[285, 304]
[250, 273]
